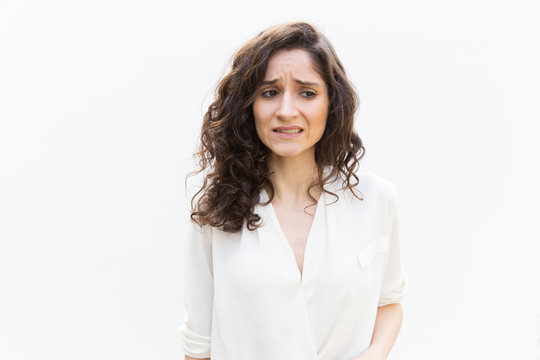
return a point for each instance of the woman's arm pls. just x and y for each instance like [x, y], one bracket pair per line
[393, 289]
[387, 325]
[196, 331]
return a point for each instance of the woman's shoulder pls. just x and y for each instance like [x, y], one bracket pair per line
[373, 191]
[371, 180]
[382, 188]
[368, 183]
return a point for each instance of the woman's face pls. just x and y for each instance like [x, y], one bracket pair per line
[291, 105]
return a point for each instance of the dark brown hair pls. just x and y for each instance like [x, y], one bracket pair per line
[231, 155]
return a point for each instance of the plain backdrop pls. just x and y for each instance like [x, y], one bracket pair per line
[100, 109]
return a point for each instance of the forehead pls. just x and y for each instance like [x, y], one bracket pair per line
[291, 61]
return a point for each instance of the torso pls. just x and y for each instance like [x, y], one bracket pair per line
[295, 224]
[254, 277]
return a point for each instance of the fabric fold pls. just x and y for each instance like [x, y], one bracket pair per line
[195, 344]
[397, 294]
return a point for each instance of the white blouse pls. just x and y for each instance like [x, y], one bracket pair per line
[245, 297]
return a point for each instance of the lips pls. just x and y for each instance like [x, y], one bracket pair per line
[288, 130]
[294, 131]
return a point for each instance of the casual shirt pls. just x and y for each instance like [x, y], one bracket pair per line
[246, 299]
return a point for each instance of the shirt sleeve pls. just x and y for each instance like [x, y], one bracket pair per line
[395, 282]
[198, 292]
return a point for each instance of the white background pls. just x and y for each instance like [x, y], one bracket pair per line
[100, 108]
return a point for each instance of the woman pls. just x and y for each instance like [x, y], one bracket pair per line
[293, 254]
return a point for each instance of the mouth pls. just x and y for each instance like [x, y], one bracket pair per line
[288, 131]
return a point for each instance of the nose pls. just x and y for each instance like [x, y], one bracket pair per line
[287, 107]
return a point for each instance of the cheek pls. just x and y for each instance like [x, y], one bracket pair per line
[321, 119]
[259, 113]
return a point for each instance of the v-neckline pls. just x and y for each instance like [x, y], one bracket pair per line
[275, 220]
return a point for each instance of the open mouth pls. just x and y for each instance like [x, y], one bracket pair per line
[288, 131]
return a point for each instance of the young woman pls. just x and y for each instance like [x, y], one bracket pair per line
[293, 253]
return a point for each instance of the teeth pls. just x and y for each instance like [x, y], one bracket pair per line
[292, 131]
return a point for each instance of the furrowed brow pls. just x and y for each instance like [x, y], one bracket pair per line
[301, 82]
[269, 82]
[306, 83]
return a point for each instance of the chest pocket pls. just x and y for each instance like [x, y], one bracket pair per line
[378, 247]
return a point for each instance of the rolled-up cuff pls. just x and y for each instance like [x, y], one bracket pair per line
[395, 296]
[195, 345]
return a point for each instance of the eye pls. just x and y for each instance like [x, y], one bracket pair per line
[308, 94]
[269, 93]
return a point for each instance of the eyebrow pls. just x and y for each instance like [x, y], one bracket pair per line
[301, 82]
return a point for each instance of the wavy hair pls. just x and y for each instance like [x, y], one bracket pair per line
[231, 155]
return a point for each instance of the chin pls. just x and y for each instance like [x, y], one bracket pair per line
[284, 155]
[286, 152]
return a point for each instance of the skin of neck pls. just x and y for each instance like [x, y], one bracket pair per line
[291, 177]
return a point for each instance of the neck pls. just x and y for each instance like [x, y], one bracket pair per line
[291, 178]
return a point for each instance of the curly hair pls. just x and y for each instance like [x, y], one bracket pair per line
[230, 153]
